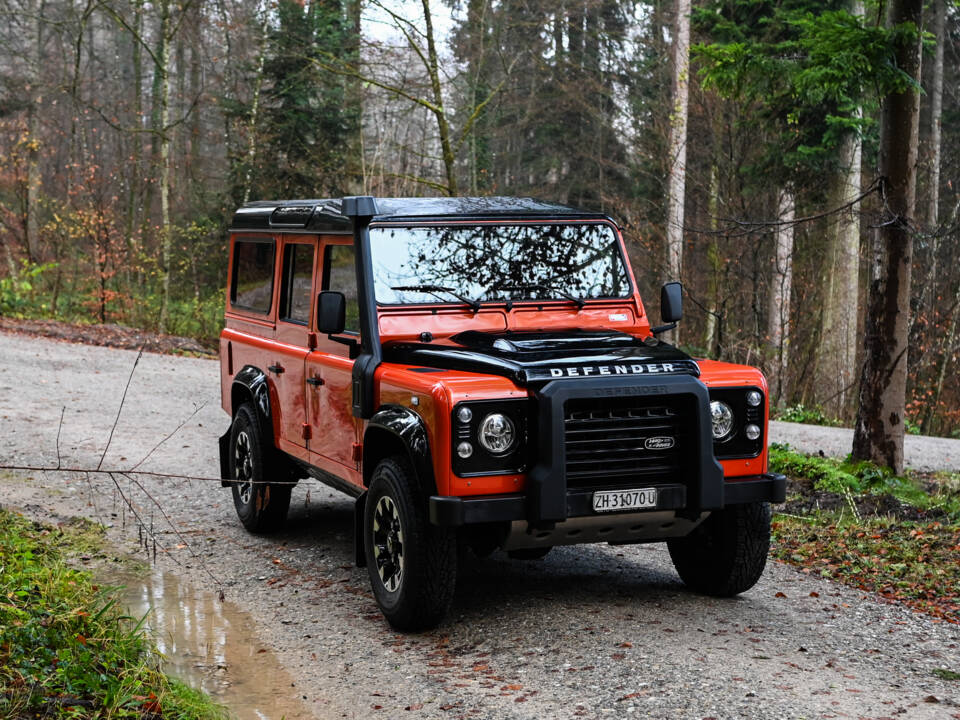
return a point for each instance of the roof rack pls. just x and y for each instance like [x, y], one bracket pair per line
[327, 215]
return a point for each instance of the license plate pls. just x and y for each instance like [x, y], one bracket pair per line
[619, 500]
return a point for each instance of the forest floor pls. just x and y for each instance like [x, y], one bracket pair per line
[590, 631]
[109, 335]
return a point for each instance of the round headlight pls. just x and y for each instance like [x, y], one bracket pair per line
[752, 432]
[721, 417]
[464, 414]
[464, 450]
[754, 398]
[497, 434]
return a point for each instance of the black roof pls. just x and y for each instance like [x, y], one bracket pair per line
[326, 214]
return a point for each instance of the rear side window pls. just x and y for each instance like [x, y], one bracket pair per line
[251, 287]
[297, 283]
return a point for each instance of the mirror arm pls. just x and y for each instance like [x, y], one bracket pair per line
[350, 342]
[662, 328]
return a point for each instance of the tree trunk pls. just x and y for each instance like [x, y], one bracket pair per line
[713, 263]
[166, 229]
[837, 354]
[34, 108]
[878, 435]
[676, 182]
[936, 113]
[255, 108]
[443, 127]
[929, 289]
[778, 315]
[133, 189]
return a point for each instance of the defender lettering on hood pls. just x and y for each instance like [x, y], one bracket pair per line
[538, 357]
[587, 370]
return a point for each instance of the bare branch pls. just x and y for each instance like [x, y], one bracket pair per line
[120, 409]
[197, 408]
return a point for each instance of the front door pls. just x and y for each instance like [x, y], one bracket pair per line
[329, 368]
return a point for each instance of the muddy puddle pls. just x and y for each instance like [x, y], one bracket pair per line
[211, 645]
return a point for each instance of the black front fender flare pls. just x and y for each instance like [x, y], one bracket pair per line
[410, 430]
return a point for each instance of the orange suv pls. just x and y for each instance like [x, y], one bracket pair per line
[480, 372]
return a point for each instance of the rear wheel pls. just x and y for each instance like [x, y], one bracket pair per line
[725, 555]
[261, 505]
[412, 564]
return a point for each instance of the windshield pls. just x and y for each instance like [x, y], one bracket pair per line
[497, 263]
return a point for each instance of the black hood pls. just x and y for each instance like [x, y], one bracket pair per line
[540, 356]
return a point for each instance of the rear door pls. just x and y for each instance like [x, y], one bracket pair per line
[293, 338]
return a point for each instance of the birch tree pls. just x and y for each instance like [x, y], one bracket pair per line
[778, 315]
[677, 178]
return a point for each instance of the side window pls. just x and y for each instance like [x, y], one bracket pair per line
[251, 286]
[340, 275]
[295, 290]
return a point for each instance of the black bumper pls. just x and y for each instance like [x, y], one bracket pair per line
[456, 511]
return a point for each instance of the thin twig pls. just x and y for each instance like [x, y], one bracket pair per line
[59, 428]
[148, 473]
[120, 409]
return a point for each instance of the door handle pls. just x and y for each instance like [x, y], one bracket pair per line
[315, 381]
[278, 369]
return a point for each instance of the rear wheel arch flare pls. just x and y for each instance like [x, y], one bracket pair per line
[396, 430]
[250, 386]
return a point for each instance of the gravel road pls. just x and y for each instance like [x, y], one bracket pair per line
[591, 631]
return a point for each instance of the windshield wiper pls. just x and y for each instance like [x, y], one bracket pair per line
[434, 289]
[579, 302]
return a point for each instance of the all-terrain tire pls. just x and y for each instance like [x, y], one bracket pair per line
[412, 564]
[261, 505]
[725, 555]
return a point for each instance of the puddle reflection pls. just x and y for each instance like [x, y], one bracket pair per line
[209, 645]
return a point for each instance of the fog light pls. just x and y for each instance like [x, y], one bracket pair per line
[464, 415]
[721, 419]
[754, 398]
[464, 450]
[752, 432]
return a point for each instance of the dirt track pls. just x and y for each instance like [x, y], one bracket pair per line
[592, 631]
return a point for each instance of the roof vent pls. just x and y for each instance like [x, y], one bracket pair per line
[292, 216]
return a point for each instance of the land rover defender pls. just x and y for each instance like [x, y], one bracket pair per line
[482, 373]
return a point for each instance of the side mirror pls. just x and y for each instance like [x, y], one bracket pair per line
[331, 313]
[671, 302]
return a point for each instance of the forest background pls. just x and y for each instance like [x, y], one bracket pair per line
[737, 143]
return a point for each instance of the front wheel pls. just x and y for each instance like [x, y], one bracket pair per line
[261, 506]
[725, 555]
[412, 564]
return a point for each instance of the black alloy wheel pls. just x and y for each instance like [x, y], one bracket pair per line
[412, 564]
[261, 505]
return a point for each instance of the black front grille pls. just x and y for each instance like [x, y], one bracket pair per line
[609, 442]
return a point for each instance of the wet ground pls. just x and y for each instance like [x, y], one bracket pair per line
[206, 644]
[591, 631]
